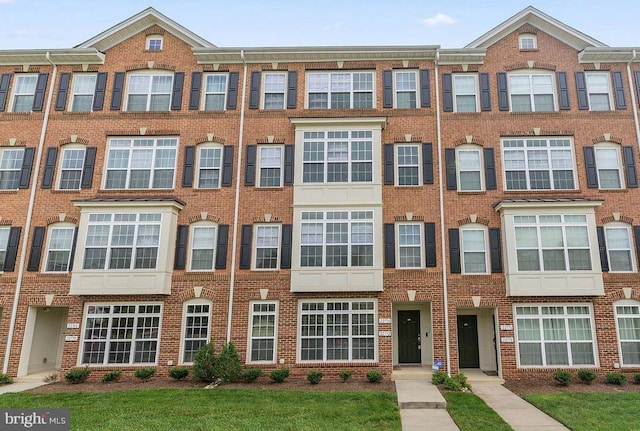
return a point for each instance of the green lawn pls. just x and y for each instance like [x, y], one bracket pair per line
[470, 413]
[591, 411]
[220, 409]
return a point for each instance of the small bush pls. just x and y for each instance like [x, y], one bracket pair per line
[616, 378]
[636, 378]
[279, 375]
[111, 376]
[204, 363]
[562, 377]
[5, 379]
[227, 365]
[145, 374]
[452, 384]
[251, 374]
[438, 377]
[374, 376]
[77, 375]
[587, 376]
[314, 377]
[462, 379]
[345, 375]
[178, 373]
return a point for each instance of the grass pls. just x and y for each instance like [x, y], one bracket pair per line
[470, 413]
[591, 411]
[220, 409]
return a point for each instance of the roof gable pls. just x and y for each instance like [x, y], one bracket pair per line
[141, 22]
[544, 23]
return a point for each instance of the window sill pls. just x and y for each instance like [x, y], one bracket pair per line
[66, 191]
[77, 114]
[613, 190]
[472, 192]
[547, 192]
[9, 192]
[529, 50]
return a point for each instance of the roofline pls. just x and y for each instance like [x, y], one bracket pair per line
[48, 56]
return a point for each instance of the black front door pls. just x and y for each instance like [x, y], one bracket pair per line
[468, 353]
[409, 337]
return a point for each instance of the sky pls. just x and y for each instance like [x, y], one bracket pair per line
[51, 24]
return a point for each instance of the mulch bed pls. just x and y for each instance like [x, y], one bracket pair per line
[526, 386]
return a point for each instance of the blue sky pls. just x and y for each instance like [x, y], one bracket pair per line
[452, 24]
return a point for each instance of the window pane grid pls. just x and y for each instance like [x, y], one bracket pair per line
[84, 86]
[10, 168]
[270, 167]
[203, 242]
[263, 331]
[531, 92]
[406, 89]
[141, 163]
[539, 164]
[71, 169]
[599, 91]
[59, 249]
[344, 90]
[215, 92]
[410, 245]
[267, 245]
[25, 88]
[474, 251]
[618, 242]
[338, 157]
[149, 92]
[408, 163]
[196, 330]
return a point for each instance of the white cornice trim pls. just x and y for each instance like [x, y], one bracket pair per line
[542, 205]
[56, 56]
[107, 204]
[324, 121]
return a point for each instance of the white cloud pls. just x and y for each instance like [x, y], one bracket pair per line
[438, 19]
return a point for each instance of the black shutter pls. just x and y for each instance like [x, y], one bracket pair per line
[176, 97]
[387, 89]
[503, 92]
[38, 96]
[447, 92]
[288, 164]
[194, 94]
[292, 90]
[425, 88]
[12, 249]
[187, 167]
[73, 249]
[87, 168]
[450, 162]
[254, 91]
[427, 163]
[618, 89]
[602, 249]
[36, 248]
[636, 236]
[63, 88]
[118, 89]
[181, 247]
[245, 246]
[49, 167]
[489, 169]
[485, 92]
[98, 95]
[388, 164]
[637, 75]
[227, 166]
[389, 245]
[232, 93]
[285, 247]
[581, 88]
[495, 250]
[5, 79]
[223, 241]
[250, 166]
[454, 251]
[430, 244]
[27, 165]
[563, 90]
[630, 167]
[590, 166]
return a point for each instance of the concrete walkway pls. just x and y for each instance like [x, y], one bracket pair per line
[422, 407]
[25, 383]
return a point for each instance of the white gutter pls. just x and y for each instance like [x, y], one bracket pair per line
[27, 226]
[443, 249]
[633, 98]
[234, 241]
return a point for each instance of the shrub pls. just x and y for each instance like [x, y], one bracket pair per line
[438, 377]
[616, 378]
[5, 379]
[251, 374]
[562, 377]
[145, 374]
[204, 363]
[462, 379]
[374, 376]
[77, 375]
[279, 375]
[452, 384]
[345, 375]
[587, 376]
[314, 377]
[111, 376]
[227, 365]
[178, 373]
[636, 378]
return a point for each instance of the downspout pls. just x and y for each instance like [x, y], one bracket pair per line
[633, 98]
[27, 226]
[443, 249]
[234, 241]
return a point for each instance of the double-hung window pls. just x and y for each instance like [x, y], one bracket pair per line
[275, 90]
[149, 92]
[154, 42]
[599, 90]
[628, 323]
[337, 157]
[10, 168]
[410, 240]
[470, 168]
[408, 165]
[71, 168]
[609, 169]
[4, 242]
[84, 87]
[337, 239]
[465, 89]
[406, 88]
[215, 91]
[209, 166]
[619, 247]
[59, 248]
[270, 166]
[267, 243]
[141, 163]
[555, 335]
[474, 250]
[197, 320]
[340, 90]
[531, 92]
[264, 327]
[539, 164]
[24, 92]
[203, 246]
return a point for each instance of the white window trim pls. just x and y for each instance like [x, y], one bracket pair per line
[632, 253]
[192, 227]
[351, 90]
[421, 245]
[476, 93]
[485, 230]
[183, 328]
[154, 37]
[396, 165]
[14, 91]
[199, 149]
[610, 146]
[395, 88]
[73, 93]
[6, 229]
[59, 170]
[609, 90]
[623, 302]
[263, 90]
[2, 153]
[478, 149]
[526, 36]
[203, 97]
[254, 246]
[259, 166]
[531, 73]
[47, 249]
[250, 331]
[151, 74]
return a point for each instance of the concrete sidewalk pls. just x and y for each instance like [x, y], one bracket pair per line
[422, 407]
[25, 383]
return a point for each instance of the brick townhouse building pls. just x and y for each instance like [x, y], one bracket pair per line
[370, 207]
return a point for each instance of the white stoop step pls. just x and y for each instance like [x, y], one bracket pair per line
[412, 373]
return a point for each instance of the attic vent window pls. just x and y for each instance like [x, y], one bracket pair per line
[154, 43]
[528, 41]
